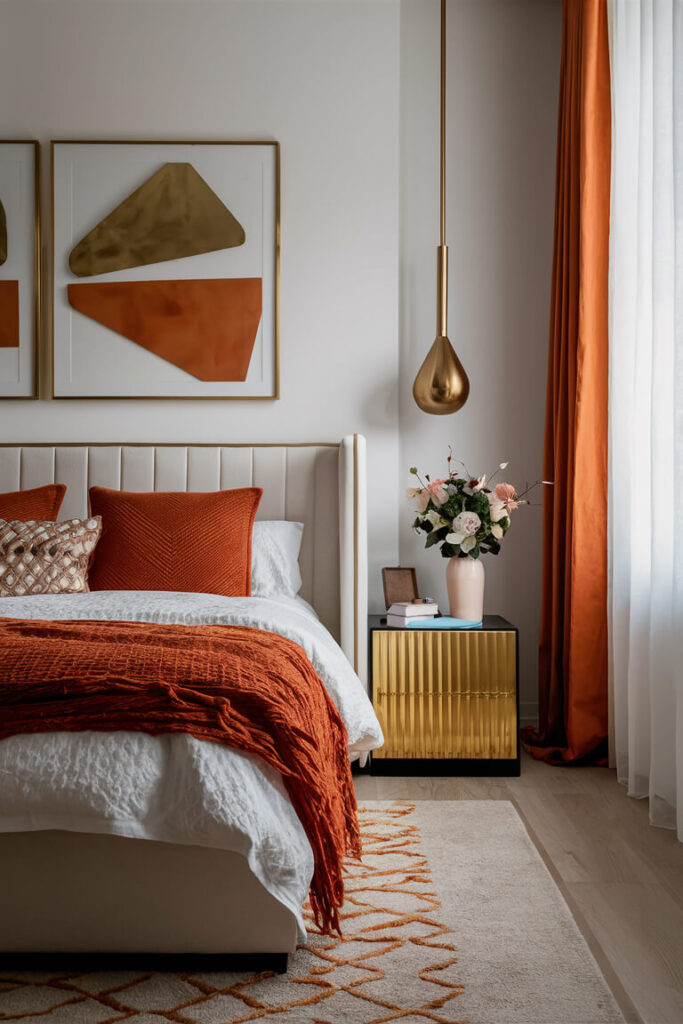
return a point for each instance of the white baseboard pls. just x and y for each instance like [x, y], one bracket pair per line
[528, 713]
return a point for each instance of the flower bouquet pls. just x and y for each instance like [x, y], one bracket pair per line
[462, 514]
[465, 517]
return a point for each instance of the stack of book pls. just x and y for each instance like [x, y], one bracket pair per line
[405, 613]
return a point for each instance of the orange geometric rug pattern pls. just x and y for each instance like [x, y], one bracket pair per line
[394, 962]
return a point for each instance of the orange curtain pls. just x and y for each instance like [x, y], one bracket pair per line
[573, 643]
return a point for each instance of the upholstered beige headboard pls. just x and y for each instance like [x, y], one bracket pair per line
[320, 485]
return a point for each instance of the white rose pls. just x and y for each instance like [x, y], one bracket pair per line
[467, 523]
[465, 526]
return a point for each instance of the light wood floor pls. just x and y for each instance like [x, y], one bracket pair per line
[622, 878]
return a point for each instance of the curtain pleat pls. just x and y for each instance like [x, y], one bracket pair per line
[573, 674]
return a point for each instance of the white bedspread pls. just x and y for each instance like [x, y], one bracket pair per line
[175, 788]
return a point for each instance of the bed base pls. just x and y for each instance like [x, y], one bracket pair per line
[71, 893]
[68, 895]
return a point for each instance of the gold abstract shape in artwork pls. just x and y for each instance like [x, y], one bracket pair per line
[3, 235]
[205, 327]
[9, 314]
[172, 215]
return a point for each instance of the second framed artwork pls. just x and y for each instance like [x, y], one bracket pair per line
[19, 267]
[165, 269]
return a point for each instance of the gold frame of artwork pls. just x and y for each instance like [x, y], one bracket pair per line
[37, 265]
[276, 296]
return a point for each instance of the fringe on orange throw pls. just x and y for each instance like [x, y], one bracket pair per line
[244, 687]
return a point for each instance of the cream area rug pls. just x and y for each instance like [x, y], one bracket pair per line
[452, 916]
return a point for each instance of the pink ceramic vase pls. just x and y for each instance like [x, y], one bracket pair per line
[465, 583]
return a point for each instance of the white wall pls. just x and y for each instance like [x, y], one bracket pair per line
[502, 88]
[350, 88]
[322, 78]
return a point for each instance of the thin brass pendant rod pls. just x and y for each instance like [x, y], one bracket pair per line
[443, 123]
[442, 254]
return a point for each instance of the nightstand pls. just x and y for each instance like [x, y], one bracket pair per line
[447, 699]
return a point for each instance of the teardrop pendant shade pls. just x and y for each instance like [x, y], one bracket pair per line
[441, 386]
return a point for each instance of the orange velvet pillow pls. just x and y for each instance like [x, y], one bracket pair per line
[40, 504]
[192, 542]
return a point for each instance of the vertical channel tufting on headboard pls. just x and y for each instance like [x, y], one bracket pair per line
[320, 485]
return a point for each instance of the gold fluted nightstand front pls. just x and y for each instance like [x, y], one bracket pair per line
[447, 699]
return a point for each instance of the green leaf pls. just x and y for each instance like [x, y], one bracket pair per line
[413, 470]
[449, 550]
[432, 539]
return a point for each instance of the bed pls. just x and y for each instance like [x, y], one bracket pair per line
[125, 843]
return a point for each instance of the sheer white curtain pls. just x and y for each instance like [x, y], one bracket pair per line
[646, 403]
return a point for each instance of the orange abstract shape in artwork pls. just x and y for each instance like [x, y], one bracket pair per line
[9, 314]
[205, 327]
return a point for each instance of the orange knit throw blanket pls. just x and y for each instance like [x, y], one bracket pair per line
[243, 687]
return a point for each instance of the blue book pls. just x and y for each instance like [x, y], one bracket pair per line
[443, 622]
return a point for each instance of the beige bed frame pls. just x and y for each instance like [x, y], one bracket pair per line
[72, 893]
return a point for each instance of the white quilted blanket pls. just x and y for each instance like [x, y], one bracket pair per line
[175, 788]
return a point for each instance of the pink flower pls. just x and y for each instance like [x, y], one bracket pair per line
[422, 496]
[438, 492]
[507, 494]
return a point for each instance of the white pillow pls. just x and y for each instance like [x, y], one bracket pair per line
[275, 547]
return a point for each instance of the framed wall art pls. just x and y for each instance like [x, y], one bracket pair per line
[19, 267]
[165, 269]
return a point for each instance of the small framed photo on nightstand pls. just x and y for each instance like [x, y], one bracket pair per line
[399, 585]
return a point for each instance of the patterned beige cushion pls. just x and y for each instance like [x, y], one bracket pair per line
[46, 558]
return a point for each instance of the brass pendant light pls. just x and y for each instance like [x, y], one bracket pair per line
[442, 386]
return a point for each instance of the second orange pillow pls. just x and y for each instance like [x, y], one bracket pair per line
[37, 504]
[190, 542]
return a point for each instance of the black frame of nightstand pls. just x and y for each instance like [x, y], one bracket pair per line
[466, 767]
